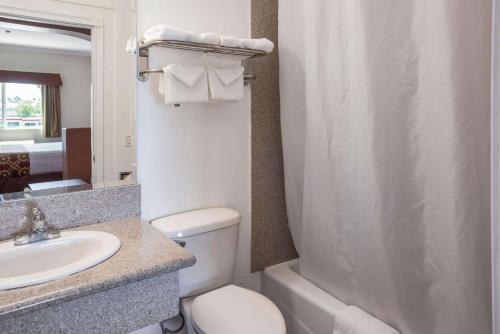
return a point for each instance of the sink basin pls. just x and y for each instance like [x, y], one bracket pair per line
[53, 259]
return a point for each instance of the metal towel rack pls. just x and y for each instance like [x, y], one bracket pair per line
[143, 53]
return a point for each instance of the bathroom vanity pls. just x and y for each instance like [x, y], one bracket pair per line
[136, 287]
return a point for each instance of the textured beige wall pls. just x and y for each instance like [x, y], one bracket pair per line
[271, 240]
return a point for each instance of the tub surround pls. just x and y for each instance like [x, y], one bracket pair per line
[74, 209]
[136, 287]
[271, 240]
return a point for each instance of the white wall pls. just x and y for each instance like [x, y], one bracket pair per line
[76, 76]
[197, 155]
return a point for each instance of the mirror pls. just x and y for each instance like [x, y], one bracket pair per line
[45, 106]
[67, 91]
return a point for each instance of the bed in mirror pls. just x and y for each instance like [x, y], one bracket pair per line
[66, 118]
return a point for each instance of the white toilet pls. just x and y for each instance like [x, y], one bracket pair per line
[208, 303]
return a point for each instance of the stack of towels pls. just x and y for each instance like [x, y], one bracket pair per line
[164, 32]
[353, 320]
[201, 83]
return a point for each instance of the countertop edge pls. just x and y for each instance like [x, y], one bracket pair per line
[93, 289]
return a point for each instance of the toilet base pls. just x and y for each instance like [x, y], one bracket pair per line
[186, 309]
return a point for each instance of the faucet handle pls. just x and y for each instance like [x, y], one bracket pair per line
[37, 219]
[36, 214]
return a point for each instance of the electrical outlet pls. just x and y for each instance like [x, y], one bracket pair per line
[128, 141]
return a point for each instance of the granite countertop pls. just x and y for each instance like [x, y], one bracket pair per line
[144, 253]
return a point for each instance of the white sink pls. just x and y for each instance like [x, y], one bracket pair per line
[53, 259]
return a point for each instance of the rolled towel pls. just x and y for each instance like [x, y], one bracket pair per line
[180, 84]
[261, 44]
[210, 38]
[353, 320]
[226, 83]
[231, 41]
[158, 28]
[131, 45]
[164, 32]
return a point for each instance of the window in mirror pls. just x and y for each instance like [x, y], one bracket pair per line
[21, 107]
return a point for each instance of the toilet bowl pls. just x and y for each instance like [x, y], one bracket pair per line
[209, 303]
[232, 309]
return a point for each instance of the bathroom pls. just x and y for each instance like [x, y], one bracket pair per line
[325, 166]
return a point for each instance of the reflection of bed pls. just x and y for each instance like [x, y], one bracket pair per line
[14, 161]
[45, 158]
[29, 163]
[31, 159]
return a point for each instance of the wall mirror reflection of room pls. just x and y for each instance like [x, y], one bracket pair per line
[45, 106]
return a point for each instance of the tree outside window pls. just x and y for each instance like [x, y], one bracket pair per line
[27, 108]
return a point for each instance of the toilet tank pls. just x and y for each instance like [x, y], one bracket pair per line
[211, 235]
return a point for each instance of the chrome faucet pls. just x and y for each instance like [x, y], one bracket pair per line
[38, 229]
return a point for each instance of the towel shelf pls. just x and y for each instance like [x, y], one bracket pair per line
[143, 52]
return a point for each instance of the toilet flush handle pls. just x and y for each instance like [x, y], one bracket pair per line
[181, 243]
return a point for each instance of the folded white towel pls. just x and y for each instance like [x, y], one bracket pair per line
[226, 83]
[231, 41]
[181, 84]
[261, 44]
[164, 32]
[353, 320]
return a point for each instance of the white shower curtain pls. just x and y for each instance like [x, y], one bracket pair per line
[385, 117]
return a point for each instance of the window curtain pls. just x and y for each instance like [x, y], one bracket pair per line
[51, 98]
[385, 114]
[35, 78]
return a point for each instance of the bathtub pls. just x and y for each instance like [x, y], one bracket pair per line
[306, 308]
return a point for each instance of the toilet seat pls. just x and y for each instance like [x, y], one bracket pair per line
[232, 309]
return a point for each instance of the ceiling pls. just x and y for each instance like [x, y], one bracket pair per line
[50, 41]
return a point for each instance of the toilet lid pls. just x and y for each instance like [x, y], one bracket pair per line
[232, 309]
